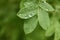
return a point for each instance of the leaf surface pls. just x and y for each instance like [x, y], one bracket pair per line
[43, 18]
[30, 25]
[45, 6]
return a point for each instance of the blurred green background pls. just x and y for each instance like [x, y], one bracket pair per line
[11, 26]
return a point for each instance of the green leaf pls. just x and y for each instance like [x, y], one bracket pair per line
[57, 30]
[30, 25]
[27, 3]
[28, 9]
[45, 6]
[43, 18]
[27, 13]
[50, 31]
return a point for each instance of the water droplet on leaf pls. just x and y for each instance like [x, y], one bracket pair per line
[27, 13]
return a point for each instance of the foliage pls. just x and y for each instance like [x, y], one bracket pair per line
[29, 19]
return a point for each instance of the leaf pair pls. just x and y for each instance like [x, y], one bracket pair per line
[31, 24]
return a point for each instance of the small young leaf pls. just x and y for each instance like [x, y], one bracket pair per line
[27, 13]
[30, 25]
[44, 5]
[57, 31]
[43, 18]
[50, 31]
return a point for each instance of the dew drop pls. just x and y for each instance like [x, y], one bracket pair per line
[30, 16]
[25, 16]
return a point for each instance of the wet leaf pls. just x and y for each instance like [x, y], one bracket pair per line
[45, 6]
[27, 13]
[30, 25]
